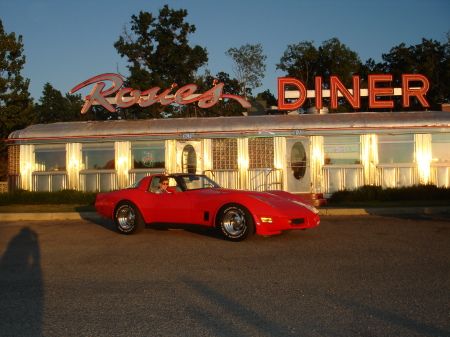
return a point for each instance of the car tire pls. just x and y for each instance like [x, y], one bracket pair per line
[128, 218]
[235, 222]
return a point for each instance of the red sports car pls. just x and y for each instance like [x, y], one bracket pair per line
[196, 199]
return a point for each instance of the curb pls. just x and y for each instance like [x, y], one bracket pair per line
[421, 210]
[436, 210]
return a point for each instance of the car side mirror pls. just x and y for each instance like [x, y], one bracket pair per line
[171, 190]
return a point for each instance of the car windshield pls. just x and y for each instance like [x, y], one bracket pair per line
[195, 182]
[135, 185]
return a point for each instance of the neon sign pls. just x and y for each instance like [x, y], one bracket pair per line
[353, 96]
[126, 97]
[148, 159]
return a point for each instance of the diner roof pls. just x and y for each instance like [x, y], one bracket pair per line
[249, 126]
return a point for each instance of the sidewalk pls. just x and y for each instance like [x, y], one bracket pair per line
[323, 211]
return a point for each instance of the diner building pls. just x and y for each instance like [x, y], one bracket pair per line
[298, 153]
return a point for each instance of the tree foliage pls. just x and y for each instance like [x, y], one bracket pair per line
[54, 107]
[159, 54]
[429, 58]
[16, 105]
[338, 60]
[301, 61]
[304, 61]
[249, 66]
[227, 107]
[268, 97]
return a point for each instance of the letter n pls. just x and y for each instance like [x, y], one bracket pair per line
[336, 85]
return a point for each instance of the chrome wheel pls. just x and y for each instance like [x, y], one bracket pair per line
[126, 217]
[233, 222]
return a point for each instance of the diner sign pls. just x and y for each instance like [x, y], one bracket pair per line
[126, 97]
[353, 96]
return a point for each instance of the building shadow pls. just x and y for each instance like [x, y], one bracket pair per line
[21, 286]
[392, 319]
[220, 314]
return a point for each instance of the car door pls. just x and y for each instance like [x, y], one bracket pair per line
[171, 207]
[166, 207]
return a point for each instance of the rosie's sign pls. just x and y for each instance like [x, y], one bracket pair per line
[353, 96]
[126, 97]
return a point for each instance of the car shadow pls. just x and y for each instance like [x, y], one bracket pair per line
[103, 222]
[209, 232]
[191, 228]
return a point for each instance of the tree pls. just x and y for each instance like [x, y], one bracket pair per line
[304, 61]
[301, 61]
[249, 66]
[54, 107]
[159, 54]
[338, 60]
[16, 105]
[268, 97]
[429, 58]
[227, 107]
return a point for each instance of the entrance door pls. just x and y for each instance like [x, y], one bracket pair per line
[298, 174]
[189, 160]
[189, 157]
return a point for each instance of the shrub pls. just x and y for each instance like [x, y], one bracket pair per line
[376, 193]
[39, 198]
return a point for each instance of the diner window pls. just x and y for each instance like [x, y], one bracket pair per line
[224, 154]
[260, 152]
[342, 150]
[395, 149]
[51, 157]
[98, 156]
[148, 155]
[440, 147]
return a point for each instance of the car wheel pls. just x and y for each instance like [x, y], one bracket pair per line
[128, 218]
[235, 222]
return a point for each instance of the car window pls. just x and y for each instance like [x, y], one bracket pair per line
[154, 184]
[198, 182]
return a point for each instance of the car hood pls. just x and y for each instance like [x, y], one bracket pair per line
[280, 200]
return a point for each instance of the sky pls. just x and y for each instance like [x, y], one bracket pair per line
[68, 42]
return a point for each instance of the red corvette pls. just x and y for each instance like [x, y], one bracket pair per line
[196, 199]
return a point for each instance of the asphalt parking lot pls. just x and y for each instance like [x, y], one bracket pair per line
[351, 276]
